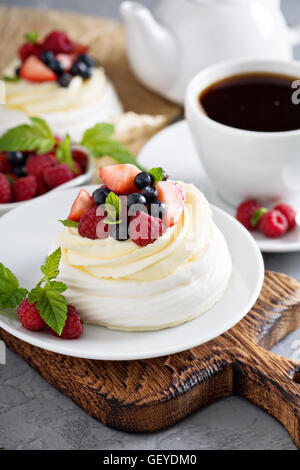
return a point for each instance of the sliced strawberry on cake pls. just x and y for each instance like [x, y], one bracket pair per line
[172, 195]
[82, 203]
[120, 178]
[35, 70]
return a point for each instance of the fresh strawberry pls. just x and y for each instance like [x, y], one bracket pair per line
[24, 188]
[34, 70]
[5, 191]
[173, 196]
[37, 164]
[5, 167]
[289, 212]
[58, 42]
[81, 157]
[28, 49]
[73, 328]
[88, 223]
[56, 175]
[145, 229]
[81, 204]
[29, 316]
[66, 60]
[245, 212]
[273, 224]
[120, 178]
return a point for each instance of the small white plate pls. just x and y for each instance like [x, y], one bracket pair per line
[173, 149]
[28, 232]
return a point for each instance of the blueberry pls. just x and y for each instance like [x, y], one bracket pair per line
[142, 179]
[165, 176]
[64, 79]
[48, 58]
[57, 67]
[20, 171]
[136, 198]
[100, 195]
[150, 194]
[158, 208]
[119, 231]
[16, 158]
[17, 71]
[87, 73]
[81, 69]
[89, 61]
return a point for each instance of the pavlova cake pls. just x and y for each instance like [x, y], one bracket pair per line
[142, 252]
[57, 80]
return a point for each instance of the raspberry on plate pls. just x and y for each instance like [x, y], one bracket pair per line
[57, 175]
[145, 229]
[273, 224]
[80, 157]
[36, 164]
[24, 188]
[289, 212]
[5, 166]
[5, 191]
[29, 316]
[58, 42]
[245, 212]
[73, 328]
[88, 223]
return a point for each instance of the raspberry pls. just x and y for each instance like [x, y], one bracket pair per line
[57, 42]
[24, 188]
[80, 157]
[73, 327]
[78, 170]
[5, 167]
[29, 316]
[5, 191]
[57, 175]
[28, 49]
[273, 224]
[289, 213]
[145, 229]
[37, 164]
[88, 223]
[245, 211]
[41, 187]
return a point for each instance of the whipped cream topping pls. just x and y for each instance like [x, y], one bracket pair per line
[128, 287]
[75, 108]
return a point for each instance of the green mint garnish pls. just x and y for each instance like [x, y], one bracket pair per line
[69, 223]
[35, 137]
[113, 208]
[63, 153]
[31, 37]
[157, 174]
[257, 216]
[14, 79]
[98, 140]
[11, 294]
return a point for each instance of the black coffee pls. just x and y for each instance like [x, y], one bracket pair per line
[253, 101]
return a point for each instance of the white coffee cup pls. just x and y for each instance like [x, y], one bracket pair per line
[245, 164]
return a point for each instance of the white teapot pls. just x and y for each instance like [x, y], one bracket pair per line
[182, 37]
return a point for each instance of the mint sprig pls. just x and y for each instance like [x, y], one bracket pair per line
[31, 37]
[113, 207]
[157, 174]
[63, 152]
[11, 294]
[35, 137]
[69, 223]
[98, 140]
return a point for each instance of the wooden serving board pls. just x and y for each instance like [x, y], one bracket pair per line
[152, 394]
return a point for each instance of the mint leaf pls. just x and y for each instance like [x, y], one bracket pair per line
[113, 208]
[257, 216]
[69, 223]
[58, 286]
[11, 294]
[98, 140]
[31, 37]
[63, 153]
[10, 313]
[6, 78]
[50, 268]
[52, 306]
[157, 174]
[36, 137]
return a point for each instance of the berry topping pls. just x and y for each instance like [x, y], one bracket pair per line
[66, 60]
[81, 157]
[57, 175]
[81, 204]
[81, 68]
[86, 59]
[142, 180]
[88, 223]
[37, 164]
[102, 230]
[58, 42]
[64, 79]
[290, 214]
[145, 229]
[136, 198]
[29, 316]
[273, 224]
[158, 209]
[100, 195]
[28, 49]
[5, 191]
[16, 158]
[150, 194]
[119, 231]
[245, 212]
[120, 178]
[24, 188]
[173, 196]
[73, 328]
[35, 70]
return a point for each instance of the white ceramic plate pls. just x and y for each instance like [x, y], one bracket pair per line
[28, 232]
[173, 149]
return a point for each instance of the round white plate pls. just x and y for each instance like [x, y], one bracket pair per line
[173, 149]
[28, 232]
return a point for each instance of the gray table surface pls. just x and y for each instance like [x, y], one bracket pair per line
[33, 415]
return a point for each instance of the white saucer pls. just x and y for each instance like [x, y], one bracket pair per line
[174, 150]
[28, 232]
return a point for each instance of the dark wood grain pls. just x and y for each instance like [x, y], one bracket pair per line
[152, 394]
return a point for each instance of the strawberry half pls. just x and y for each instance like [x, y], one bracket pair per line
[173, 195]
[120, 178]
[35, 70]
[81, 204]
